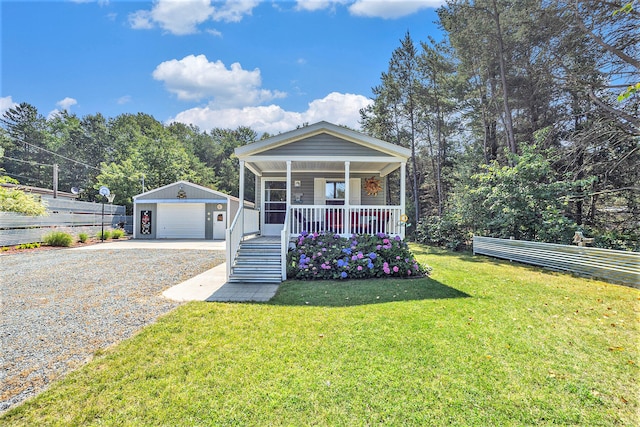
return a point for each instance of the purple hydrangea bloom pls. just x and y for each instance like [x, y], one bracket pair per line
[372, 255]
[343, 274]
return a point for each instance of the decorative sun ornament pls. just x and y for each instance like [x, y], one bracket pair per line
[372, 186]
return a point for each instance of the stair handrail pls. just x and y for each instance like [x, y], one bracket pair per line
[234, 237]
[284, 246]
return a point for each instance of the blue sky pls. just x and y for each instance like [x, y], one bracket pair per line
[270, 65]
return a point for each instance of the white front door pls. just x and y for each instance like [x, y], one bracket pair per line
[219, 225]
[274, 206]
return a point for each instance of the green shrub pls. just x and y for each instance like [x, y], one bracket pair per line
[105, 236]
[83, 237]
[329, 256]
[446, 231]
[28, 245]
[58, 238]
[117, 233]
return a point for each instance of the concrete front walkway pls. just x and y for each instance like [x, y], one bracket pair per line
[208, 286]
[211, 286]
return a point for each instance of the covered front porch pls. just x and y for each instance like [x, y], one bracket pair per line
[320, 178]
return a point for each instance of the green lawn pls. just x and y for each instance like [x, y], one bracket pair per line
[481, 342]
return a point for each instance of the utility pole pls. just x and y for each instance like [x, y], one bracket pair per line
[55, 180]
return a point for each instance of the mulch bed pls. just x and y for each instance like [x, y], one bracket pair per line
[11, 250]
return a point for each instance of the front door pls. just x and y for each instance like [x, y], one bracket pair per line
[274, 206]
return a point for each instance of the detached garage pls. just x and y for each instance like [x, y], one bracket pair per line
[183, 210]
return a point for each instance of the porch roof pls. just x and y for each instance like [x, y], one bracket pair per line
[322, 147]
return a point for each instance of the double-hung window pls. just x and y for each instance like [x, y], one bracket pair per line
[334, 192]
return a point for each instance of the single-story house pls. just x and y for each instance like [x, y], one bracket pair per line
[319, 178]
[183, 210]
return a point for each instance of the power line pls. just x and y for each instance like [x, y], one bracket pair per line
[56, 154]
[31, 162]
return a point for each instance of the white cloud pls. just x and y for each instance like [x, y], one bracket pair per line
[66, 103]
[214, 33]
[182, 17]
[6, 103]
[314, 5]
[338, 108]
[124, 100]
[387, 9]
[194, 78]
[141, 20]
[234, 10]
[391, 9]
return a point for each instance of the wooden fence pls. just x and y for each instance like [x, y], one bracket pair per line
[70, 216]
[613, 266]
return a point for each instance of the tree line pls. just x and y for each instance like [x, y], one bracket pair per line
[523, 122]
[129, 154]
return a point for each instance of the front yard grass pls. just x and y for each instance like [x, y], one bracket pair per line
[480, 342]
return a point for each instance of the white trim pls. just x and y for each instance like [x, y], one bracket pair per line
[307, 158]
[254, 169]
[188, 184]
[403, 174]
[288, 190]
[323, 171]
[262, 196]
[183, 201]
[389, 168]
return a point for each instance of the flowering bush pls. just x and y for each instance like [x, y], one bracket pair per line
[330, 256]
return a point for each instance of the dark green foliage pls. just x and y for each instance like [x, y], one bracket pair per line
[58, 238]
[444, 231]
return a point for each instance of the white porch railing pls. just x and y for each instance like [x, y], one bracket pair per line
[251, 221]
[345, 220]
[246, 222]
[284, 247]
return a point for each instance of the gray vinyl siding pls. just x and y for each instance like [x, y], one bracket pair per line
[306, 187]
[171, 192]
[322, 144]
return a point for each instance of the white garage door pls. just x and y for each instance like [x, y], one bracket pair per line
[181, 221]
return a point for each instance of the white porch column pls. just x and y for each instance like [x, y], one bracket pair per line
[288, 189]
[346, 220]
[241, 196]
[403, 176]
[241, 185]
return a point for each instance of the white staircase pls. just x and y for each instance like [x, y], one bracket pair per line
[258, 261]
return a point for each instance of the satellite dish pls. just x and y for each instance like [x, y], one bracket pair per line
[104, 191]
[75, 190]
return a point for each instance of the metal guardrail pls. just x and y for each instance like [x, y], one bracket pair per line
[610, 265]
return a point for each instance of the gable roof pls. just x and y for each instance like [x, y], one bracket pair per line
[385, 148]
[183, 183]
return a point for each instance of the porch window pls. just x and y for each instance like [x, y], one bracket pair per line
[334, 192]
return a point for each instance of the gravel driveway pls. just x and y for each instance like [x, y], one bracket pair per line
[59, 306]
